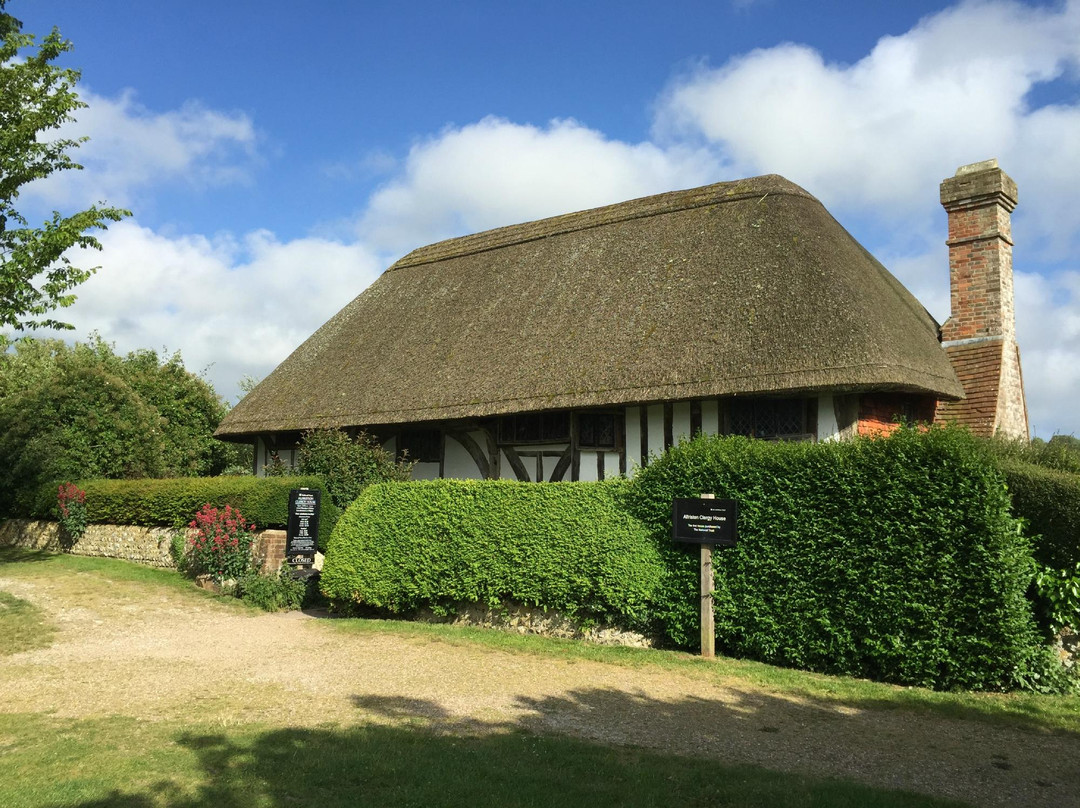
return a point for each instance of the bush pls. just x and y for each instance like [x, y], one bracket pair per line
[272, 593]
[1061, 452]
[1059, 597]
[1049, 501]
[445, 543]
[172, 502]
[347, 465]
[71, 504]
[893, 558]
[220, 544]
[85, 412]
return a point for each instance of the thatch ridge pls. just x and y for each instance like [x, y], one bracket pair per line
[565, 223]
[741, 288]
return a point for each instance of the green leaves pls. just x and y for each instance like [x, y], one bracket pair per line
[36, 97]
[347, 465]
[446, 543]
[895, 559]
[82, 411]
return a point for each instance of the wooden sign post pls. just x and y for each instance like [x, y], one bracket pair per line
[705, 522]
[708, 627]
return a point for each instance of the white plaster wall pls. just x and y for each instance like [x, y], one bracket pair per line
[507, 471]
[458, 463]
[827, 427]
[549, 468]
[710, 417]
[633, 438]
[426, 471]
[587, 467]
[611, 465]
[656, 429]
[260, 457]
[680, 421]
[530, 462]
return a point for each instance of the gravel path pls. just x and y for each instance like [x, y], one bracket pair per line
[135, 650]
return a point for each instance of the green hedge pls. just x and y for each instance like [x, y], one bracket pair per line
[264, 501]
[446, 543]
[894, 559]
[1049, 500]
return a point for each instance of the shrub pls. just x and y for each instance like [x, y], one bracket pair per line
[272, 593]
[219, 544]
[444, 543]
[347, 465]
[1049, 501]
[1059, 594]
[172, 502]
[1061, 452]
[71, 503]
[893, 558]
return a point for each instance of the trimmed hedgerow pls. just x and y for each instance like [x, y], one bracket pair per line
[264, 501]
[446, 543]
[1049, 500]
[893, 558]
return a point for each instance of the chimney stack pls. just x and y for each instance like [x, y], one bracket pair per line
[980, 334]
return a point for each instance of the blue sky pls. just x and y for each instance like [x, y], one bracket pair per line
[277, 156]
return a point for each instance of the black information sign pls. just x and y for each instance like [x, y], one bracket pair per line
[303, 533]
[704, 521]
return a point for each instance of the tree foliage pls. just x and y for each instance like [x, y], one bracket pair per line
[347, 464]
[82, 411]
[36, 98]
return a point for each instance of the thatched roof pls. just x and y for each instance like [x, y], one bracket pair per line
[746, 287]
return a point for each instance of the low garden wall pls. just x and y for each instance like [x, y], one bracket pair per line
[142, 545]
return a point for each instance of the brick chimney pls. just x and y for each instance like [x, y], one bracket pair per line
[980, 334]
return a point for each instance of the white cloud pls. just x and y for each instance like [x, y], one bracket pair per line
[885, 130]
[495, 172]
[237, 306]
[132, 148]
[1048, 328]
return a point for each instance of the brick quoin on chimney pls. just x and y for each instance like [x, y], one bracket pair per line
[980, 334]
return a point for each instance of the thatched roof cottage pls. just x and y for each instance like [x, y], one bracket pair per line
[573, 347]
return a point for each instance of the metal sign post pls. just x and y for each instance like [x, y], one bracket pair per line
[705, 522]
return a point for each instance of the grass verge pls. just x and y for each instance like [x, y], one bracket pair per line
[34, 564]
[23, 626]
[131, 764]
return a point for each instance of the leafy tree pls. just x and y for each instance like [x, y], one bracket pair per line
[75, 412]
[81, 421]
[36, 97]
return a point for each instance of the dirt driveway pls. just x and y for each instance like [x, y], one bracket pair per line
[144, 651]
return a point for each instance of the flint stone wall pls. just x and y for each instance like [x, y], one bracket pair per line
[142, 545]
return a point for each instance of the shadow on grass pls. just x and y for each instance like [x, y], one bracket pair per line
[376, 765]
[601, 747]
[21, 555]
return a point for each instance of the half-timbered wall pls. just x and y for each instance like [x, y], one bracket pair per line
[487, 449]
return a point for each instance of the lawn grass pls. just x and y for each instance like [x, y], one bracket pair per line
[23, 626]
[1028, 710]
[125, 763]
[31, 564]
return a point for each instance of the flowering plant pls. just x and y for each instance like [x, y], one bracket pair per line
[71, 501]
[219, 544]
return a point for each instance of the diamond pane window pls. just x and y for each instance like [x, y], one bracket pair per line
[596, 430]
[767, 418]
